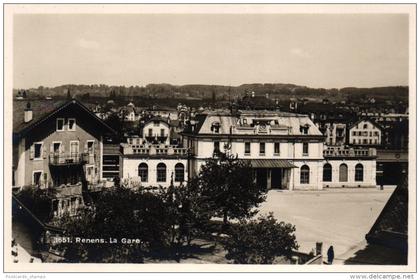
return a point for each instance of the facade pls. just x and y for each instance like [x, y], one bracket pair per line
[349, 167]
[335, 134]
[155, 130]
[284, 149]
[60, 150]
[151, 160]
[365, 132]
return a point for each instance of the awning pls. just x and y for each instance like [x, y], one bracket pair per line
[271, 163]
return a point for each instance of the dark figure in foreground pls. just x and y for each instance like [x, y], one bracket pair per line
[330, 254]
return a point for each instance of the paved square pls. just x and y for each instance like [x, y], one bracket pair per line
[338, 217]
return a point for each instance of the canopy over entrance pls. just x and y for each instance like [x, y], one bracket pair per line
[271, 163]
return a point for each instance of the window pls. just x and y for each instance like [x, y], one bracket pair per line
[60, 124]
[179, 172]
[161, 172]
[72, 124]
[37, 150]
[90, 147]
[216, 146]
[247, 148]
[143, 172]
[305, 149]
[56, 147]
[150, 132]
[215, 127]
[162, 132]
[304, 174]
[327, 173]
[262, 148]
[343, 173]
[354, 141]
[36, 177]
[245, 121]
[354, 133]
[358, 175]
[304, 129]
[365, 141]
[365, 126]
[276, 148]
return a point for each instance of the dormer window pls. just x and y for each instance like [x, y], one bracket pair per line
[215, 127]
[304, 129]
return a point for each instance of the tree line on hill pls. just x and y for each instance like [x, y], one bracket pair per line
[220, 92]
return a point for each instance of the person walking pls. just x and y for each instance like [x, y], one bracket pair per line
[330, 254]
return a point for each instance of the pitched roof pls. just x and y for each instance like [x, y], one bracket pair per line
[391, 226]
[42, 110]
[366, 120]
[227, 120]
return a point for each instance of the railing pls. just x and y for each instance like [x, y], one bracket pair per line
[71, 159]
[269, 129]
[128, 149]
[349, 152]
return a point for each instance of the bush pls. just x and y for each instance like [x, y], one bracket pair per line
[38, 201]
[260, 241]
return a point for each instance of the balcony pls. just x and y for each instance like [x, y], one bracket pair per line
[154, 150]
[341, 152]
[71, 159]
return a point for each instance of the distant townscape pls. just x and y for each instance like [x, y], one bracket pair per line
[72, 144]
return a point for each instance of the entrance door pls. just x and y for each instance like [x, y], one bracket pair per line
[262, 178]
[276, 175]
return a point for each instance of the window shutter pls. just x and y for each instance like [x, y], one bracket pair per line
[32, 152]
[51, 148]
[44, 151]
[63, 148]
[86, 147]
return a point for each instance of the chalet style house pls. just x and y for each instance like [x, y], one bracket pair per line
[59, 149]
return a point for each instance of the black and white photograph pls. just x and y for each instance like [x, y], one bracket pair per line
[219, 135]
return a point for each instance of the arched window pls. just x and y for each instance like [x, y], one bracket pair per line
[179, 172]
[161, 172]
[358, 175]
[343, 173]
[327, 173]
[143, 172]
[304, 174]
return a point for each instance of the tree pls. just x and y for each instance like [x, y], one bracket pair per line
[189, 212]
[118, 214]
[228, 185]
[261, 241]
[38, 201]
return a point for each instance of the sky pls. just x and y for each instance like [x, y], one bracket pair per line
[315, 50]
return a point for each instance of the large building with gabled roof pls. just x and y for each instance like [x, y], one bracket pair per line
[284, 149]
[60, 147]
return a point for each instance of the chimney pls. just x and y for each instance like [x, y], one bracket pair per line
[28, 113]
